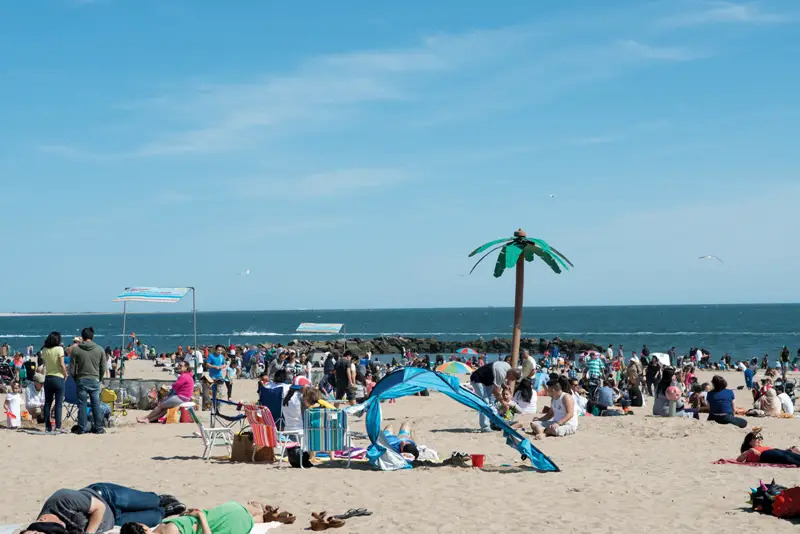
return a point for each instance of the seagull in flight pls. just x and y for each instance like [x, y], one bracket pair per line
[245, 273]
[552, 195]
[710, 257]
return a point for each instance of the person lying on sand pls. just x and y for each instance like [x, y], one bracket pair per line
[401, 442]
[229, 518]
[181, 392]
[754, 451]
[561, 418]
[97, 508]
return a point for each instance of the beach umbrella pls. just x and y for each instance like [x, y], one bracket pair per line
[514, 252]
[466, 351]
[454, 368]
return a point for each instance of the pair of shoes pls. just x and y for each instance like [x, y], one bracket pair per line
[174, 508]
[77, 429]
[320, 522]
[271, 514]
[99, 431]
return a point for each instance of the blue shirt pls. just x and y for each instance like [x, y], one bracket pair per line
[215, 359]
[540, 380]
[605, 396]
[720, 402]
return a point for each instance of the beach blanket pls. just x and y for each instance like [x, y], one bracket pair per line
[751, 464]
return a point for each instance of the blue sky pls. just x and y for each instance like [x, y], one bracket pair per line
[352, 158]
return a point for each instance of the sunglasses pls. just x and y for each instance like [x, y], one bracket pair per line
[758, 436]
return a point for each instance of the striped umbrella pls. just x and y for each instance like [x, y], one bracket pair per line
[466, 351]
[454, 368]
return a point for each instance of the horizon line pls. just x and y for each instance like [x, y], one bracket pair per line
[63, 313]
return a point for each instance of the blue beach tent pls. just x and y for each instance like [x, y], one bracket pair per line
[410, 380]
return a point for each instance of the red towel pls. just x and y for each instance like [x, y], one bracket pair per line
[751, 464]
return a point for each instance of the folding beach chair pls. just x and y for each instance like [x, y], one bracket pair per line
[272, 399]
[265, 431]
[325, 430]
[71, 399]
[212, 437]
[218, 419]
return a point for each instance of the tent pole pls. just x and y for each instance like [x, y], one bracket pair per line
[194, 319]
[124, 316]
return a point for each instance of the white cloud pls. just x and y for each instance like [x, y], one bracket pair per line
[659, 53]
[338, 183]
[718, 12]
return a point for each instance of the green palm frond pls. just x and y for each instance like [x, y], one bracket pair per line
[529, 248]
[490, 244]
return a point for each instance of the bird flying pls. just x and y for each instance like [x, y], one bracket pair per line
[709, 257]
[245, 273]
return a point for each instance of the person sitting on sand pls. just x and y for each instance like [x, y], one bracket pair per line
[99, 507]
[787, 405]
[507, 408]
[721, 404]
[401, 442]
[770, 403]
[561, 418]
[661, 403]
[181, 392]
[754, 451]
[229, 518]
[578, 395]
[34, 397]
[525, 397]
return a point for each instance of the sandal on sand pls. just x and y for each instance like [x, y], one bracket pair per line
[353, 512]
[320, 522]
[271, 514]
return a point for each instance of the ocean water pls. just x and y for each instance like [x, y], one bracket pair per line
[741, 330]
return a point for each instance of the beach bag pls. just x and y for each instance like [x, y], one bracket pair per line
[173, 416]
[242, 450]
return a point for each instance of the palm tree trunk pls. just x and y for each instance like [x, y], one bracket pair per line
[518, 311]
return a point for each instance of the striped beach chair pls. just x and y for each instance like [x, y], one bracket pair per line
[263, 427]
[325, 430]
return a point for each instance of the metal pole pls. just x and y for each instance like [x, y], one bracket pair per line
[124, 316]
[194, 319]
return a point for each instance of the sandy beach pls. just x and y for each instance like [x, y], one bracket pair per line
[636, 472]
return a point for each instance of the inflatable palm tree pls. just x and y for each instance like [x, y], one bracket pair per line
[515, 251]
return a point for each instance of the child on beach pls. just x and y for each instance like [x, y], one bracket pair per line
[508, 408]
[13, 406]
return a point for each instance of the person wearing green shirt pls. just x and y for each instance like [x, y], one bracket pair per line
[229, 518]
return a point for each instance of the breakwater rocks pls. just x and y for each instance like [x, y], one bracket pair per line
[398, 344]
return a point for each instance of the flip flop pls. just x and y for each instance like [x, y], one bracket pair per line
[354, 512]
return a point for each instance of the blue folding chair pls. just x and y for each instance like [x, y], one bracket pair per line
[272, 398]
[71, 399]
[218, 419]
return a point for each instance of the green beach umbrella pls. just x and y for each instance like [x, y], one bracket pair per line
[514, 252]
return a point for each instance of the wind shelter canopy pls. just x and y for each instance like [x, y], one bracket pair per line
[410, 380]
[320, 328]
[156, 294]
[152, 294]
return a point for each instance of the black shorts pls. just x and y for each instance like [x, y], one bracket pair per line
[347, 391]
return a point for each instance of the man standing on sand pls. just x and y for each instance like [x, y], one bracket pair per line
[784, 360]
[345, 371]
[610, 352]
[88, 367]
[528, 365]
[488, 381]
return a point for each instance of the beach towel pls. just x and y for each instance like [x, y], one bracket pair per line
[258, 528]
[751, 464]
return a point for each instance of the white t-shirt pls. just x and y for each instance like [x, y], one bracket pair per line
[610, 353]
[14, 401]
[33, 398]
[292, 414]
[580, 403]
[786, 403]
[526, 407]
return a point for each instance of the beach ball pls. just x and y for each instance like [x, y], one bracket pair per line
[673, 393]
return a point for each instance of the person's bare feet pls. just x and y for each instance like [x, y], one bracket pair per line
[143, 420]
[537, 429]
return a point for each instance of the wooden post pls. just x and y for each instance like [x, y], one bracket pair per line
[519, 291]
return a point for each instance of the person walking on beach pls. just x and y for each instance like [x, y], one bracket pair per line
[488, 381]
[784, 359]
[55, 374]
[88, 367]
[610, 352]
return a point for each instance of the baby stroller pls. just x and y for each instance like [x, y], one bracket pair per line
[789, 387]
[6, 373]
[592, 385]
